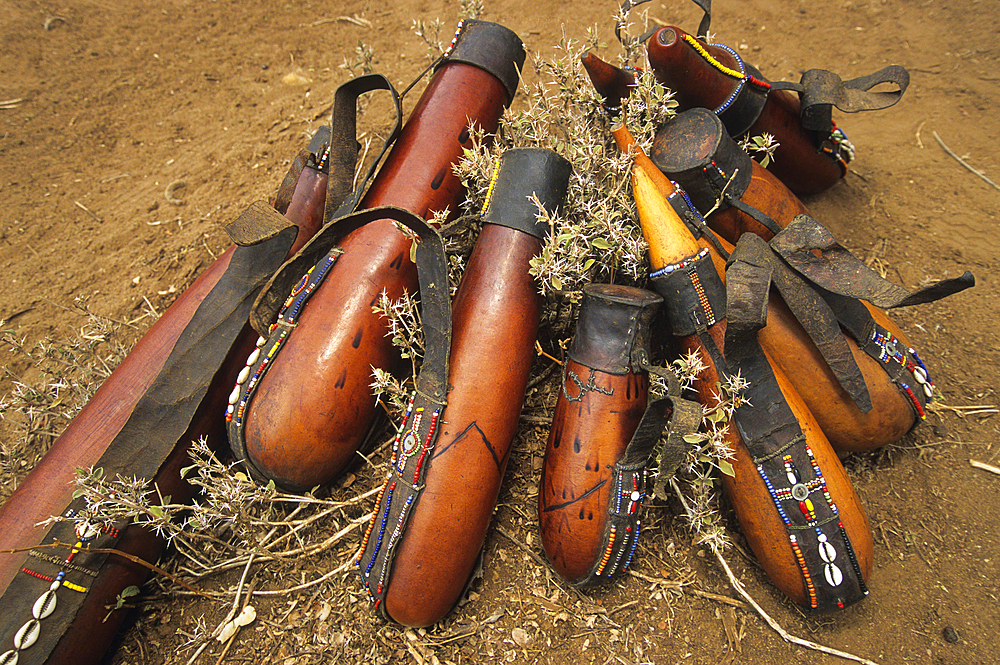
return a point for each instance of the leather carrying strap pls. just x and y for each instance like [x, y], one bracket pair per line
[159, 420]
[823, 293]
[418, 432]
[820, 90]
[784, 460]
[840, 271]
[341, 196]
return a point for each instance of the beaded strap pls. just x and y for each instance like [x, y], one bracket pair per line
[417, 434]
[777, 446]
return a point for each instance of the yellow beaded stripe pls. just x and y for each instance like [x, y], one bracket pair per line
[696, 45]
[489, 192]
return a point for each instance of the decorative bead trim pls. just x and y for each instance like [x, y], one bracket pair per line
[890, 351]
[489, 192]
[27, 635]
[246, 383]
[799, 491]
[454, 39]
[680, 265]
[741, 75]
[628, 493]
[702, 297]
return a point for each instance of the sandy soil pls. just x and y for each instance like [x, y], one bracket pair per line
[117, 101]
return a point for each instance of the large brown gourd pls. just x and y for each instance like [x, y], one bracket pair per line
[431, 519]
[779, 527]
[81, 632]
[314, 407]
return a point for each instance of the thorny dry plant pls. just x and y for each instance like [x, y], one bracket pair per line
[63, 377]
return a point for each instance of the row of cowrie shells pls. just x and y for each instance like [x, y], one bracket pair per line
[243, 376]
[827, 552]
[27, 635]
[920, 374]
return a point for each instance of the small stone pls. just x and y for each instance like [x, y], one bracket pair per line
[950, 635]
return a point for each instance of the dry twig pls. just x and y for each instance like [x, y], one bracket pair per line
[785, 635]
[964, 163]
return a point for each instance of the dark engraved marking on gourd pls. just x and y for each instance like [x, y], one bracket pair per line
[576, 444]
[357, 338]
[439, 178]
[397, 262]
[342, 380]
[464, 136]
[482, 436]
[559, 506]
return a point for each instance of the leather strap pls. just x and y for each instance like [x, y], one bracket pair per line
[157, 423]
[785, 461]
[821, 90]
[840, 271]
[341, 196]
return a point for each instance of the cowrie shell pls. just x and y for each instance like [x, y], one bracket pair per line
[244, 374]
[261, 342]
[833, 575]
[253, 357]
[8, 658]
[45, 605]
[27, 635]
[235, 395]
[827, 552]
